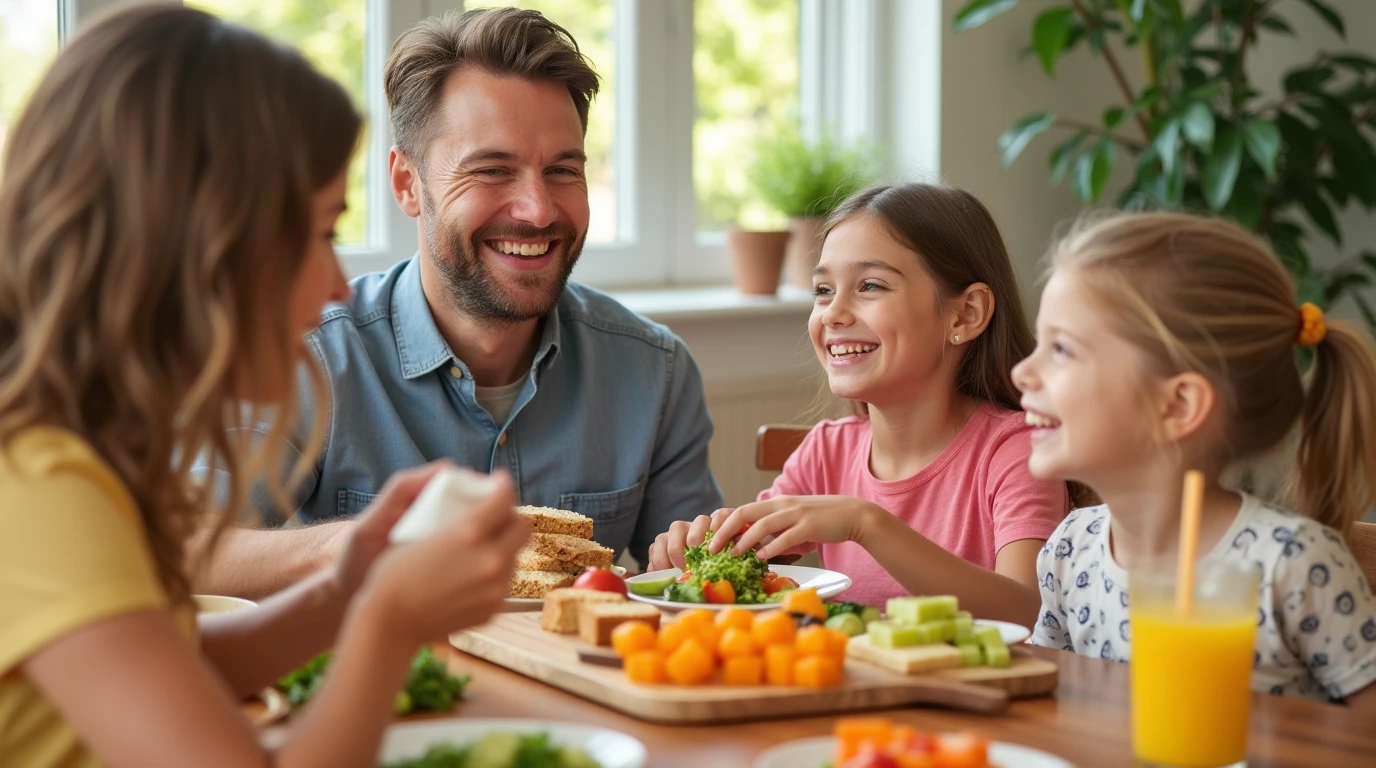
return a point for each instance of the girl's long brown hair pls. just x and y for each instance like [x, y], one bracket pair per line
[1204, 295]
[154, 213]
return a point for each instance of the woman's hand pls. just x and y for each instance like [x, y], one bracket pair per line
[455, 578]
[367, 538]
[668, 549]
[774, 526]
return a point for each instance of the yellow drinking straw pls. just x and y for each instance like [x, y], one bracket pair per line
[1189, 541]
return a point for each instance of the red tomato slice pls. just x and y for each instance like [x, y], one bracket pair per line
[720, 592]
[779, 584]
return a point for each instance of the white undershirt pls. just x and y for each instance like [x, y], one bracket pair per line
[498, 400]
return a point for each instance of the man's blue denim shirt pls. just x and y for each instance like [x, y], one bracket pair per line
[611, 422]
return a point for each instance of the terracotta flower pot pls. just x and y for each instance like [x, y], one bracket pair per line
[804, 248]
[757, 258]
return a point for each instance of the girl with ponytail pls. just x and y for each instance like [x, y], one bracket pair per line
[1167, 343]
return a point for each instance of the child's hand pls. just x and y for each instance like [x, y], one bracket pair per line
[668, 549]
[792, 521]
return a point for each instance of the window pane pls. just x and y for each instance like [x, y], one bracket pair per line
[28, 43]
[745, 68]
[592, 24]
[330, 34]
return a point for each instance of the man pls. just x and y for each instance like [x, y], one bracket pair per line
[478, 349]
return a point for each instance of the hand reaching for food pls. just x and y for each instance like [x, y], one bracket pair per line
[774, 526]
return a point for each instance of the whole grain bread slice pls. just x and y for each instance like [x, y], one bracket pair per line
[562, 521]
[536, 584]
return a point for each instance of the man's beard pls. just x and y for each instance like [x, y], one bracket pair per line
[470, 283]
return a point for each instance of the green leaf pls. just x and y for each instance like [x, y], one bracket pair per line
[976, 12]
[1307, 80]
[1337, 189]
[1321, 214]
[1277, 24]
[1249, 199]
[1198, 124]
[1167, 145]
[1263, 144]
[1369, 259]
[1113, 116]
[1093, 169]
[1015, 139]
[1138, 10]
[1335, 121]
[1330, 16]
[1354, 62]
[1357, 167]
[1342, 283]
[1366, 311]
[1062, 157]
[1170, 10]
[1050, 33]
[1220, 172]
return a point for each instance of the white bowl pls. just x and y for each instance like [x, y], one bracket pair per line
[611, 749]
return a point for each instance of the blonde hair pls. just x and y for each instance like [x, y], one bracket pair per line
[1203, 295]
[155, 211]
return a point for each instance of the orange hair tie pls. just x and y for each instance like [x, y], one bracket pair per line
[1312, 327]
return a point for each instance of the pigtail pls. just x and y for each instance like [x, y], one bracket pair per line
[1334, 478]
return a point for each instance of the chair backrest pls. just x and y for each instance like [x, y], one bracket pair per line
[1363, 541]
[774, 443]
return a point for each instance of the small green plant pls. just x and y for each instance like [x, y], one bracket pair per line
[801, 178]
[1201, 138]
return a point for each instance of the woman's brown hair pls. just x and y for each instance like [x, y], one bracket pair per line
[154, 214]
[1203, 295]
[958, 244]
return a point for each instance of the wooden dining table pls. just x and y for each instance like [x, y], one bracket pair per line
[1086, 721]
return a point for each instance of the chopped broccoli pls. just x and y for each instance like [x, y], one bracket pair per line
[500, 749]
[744, 572]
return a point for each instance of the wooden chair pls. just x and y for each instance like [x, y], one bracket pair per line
[1363, 541]
[774, 443]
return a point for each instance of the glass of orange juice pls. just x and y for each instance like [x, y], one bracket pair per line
[1191, 673]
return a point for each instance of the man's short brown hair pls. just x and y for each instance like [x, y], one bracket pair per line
[501, 41]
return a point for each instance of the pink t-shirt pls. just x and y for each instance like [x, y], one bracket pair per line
[977, 496]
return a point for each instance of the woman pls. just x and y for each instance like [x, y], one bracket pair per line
[166, 224]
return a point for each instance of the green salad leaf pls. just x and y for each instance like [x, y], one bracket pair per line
[429, 686]
[743, 571]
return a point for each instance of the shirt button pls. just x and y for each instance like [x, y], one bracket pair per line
[501, 439]
[456, 372]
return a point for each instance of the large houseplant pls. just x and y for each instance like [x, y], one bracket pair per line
[1201, 137]
[805, 180]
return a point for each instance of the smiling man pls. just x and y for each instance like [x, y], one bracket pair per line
[479, 349]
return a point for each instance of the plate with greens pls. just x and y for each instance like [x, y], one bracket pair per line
[503, 743]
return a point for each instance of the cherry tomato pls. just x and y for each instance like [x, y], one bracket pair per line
[777, 584]
[869, 758]
[686, 575]
[721, 592]
[601, 580]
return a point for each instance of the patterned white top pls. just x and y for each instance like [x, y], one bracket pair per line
[1316, 629]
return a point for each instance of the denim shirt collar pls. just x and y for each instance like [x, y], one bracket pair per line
[420, 346]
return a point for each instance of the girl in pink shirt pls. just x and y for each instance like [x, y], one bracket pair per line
[918, 321]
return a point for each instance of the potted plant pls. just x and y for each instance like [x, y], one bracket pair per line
[1202, 138]
[805, 181]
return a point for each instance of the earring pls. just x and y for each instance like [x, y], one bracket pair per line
[955, 339]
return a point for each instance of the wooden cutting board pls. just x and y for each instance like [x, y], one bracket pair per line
[515, 641]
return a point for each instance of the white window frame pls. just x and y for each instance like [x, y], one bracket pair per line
[843, 87]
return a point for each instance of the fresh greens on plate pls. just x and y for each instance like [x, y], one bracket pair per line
[429, 686]
[500, 749]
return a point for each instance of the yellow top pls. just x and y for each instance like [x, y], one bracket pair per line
[73, 551]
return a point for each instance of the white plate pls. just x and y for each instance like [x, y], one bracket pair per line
[827, 584]
[816, 752]
[519, 604]
[611, 749]
[1011, 633]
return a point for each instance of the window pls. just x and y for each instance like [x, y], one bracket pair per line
[330, 33]
[689, 86]
[28, 42]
